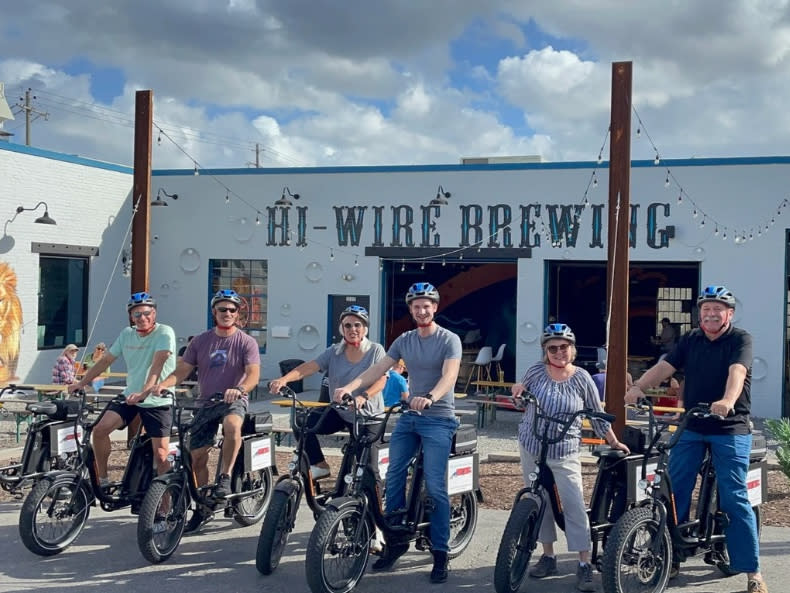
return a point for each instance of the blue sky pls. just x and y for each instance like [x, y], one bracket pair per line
[396, 82]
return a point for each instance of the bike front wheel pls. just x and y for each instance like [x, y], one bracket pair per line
[276, 528]
[463, 522]
[638, 555]
[251, 509]
[53, 515]
[515, 549]
[160, 524]
[337, 553]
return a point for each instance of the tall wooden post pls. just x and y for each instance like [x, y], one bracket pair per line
[141, 192]
[618, 230]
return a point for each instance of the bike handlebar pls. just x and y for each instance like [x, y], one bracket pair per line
[565, 423]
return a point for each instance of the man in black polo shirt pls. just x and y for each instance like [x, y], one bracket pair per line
[717, 360]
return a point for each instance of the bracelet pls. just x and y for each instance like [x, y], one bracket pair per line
[428, 396]
[240, 388]
[365, 394]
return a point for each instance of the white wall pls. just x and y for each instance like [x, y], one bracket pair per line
[89, 202]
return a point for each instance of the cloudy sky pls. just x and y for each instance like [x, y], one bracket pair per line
[361, 82]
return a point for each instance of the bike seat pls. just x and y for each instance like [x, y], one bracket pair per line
[609, 453]
[48, 408]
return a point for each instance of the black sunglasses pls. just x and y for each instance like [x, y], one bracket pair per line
[226, 309]
[560, 348]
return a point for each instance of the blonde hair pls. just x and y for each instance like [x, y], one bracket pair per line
[364, 345]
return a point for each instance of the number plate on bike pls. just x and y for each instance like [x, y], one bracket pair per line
[384, 461]
[62, 439]
[258, 453]
[461, 474]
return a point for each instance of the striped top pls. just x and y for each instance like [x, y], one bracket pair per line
[559, 399]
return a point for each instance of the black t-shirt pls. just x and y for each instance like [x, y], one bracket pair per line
[706, 364]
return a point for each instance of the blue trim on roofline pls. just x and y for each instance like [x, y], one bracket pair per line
[700, 162]
[66, 158]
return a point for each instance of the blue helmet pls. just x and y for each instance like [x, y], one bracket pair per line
[140, 298]
[357, 311]
[557, 330]
[422, 290]
[718, 294]
[226, 295]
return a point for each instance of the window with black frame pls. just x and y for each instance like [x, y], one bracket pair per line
[249, 278]
[62, 301]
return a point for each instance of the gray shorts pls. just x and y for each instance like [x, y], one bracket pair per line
[208, 419]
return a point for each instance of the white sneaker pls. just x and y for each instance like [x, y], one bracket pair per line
[319, 472]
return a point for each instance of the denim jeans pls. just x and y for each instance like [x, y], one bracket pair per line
[730, 455]
[436, 435]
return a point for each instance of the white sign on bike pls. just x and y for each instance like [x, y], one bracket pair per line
[260, 453]
[384, 461]
[649, 475]
[754, 486]
[65, 440]
[460, 474]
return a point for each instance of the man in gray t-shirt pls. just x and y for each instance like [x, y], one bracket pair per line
[433, 357]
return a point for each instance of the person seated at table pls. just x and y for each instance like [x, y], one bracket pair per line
[341, 362]
[599, 379]
[90, 360]
[396, 389]
[63, 373]
[668, 337]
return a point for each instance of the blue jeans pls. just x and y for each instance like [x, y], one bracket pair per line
[436, 435]
[730, 455]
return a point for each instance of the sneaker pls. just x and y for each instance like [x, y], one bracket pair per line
[197, 520]
[319, 472]
[440, 569]
[674, 571]
[390, 556]
[584, 578]
[223, 488]
[544, 567]
[757, 586]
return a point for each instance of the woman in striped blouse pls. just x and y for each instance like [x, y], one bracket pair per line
[561, 388]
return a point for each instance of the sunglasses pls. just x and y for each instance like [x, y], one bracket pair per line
[226, 309]
[138, 314]
[98, 348]
[560, 348]
[352, 325]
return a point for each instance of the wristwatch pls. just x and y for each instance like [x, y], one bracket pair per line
[365, 395]
[240, 388]
[428, 396]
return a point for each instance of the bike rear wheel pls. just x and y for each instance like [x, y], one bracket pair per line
[160, 525]
[629, 563]
[515, 549]
[53, 515]
[250, 510]
[463, 522]
[336, 554]
[276, 528]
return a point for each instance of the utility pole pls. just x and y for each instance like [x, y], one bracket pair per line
[257, 162]
[618, 229]
[29, 112]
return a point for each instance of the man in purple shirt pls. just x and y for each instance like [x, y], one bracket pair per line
[229, 363]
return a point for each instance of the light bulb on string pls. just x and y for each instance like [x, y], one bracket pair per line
[227, 198]
[159, 139]
[694, 214]
[657, 160]
[595, 180]
[724, 236]
[600, 158]
[586, 202]
[422, 266]
[331, 255]
[381, 265]
[680, 198]
[639, 132]
[702, 223]
[666, 181]
[258, 218]
[196, 173]
[716, 231]
[460, 256]
[356, 260]
[444, 263]
[402, 267]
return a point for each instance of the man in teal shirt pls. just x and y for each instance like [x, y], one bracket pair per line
[148, 349]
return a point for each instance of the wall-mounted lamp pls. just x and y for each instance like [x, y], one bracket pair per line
[284, 201]
[160, 195]
[441, 197]
[40, 220]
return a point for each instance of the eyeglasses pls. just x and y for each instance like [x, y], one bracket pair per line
[138, 314]
[560, 348]
[352, 325]
[226, 309]
[98, 348]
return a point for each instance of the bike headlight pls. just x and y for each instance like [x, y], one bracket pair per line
[348, 478]
[532, 476]
[643, 484]
[291, 466]
[656, 480]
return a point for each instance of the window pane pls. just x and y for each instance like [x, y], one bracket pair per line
[62, 301]
[249, 278]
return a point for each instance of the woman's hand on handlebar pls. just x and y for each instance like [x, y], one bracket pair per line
[76, 386]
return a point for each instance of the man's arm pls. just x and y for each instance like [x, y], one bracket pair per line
[450, 368]
[653, 376]
[366, 378]
[303, 370]
[732, 390]
[93, 372]
[157, 364]
[183, 369]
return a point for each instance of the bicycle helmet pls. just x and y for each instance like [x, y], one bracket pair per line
[557, 330]
[140, 298]
[356, 311]
[718, 294]
[225, 295]
[422, 290]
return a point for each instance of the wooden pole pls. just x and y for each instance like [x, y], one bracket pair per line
[141, 192]
[618, 229]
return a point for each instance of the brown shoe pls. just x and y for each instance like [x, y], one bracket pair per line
[757, 586]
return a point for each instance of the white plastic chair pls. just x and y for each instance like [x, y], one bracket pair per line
[483, 361]
[498, 360]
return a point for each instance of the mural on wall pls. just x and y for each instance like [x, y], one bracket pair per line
[10, 325]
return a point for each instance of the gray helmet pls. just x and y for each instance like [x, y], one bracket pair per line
[422, 290]
[356, 311]
[226, 295]
[717, 294]
[140, 298]
[557, 330]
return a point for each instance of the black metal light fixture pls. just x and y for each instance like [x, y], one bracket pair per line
[159, 201]
[284, 201]
[41, 219]
[441, 197]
